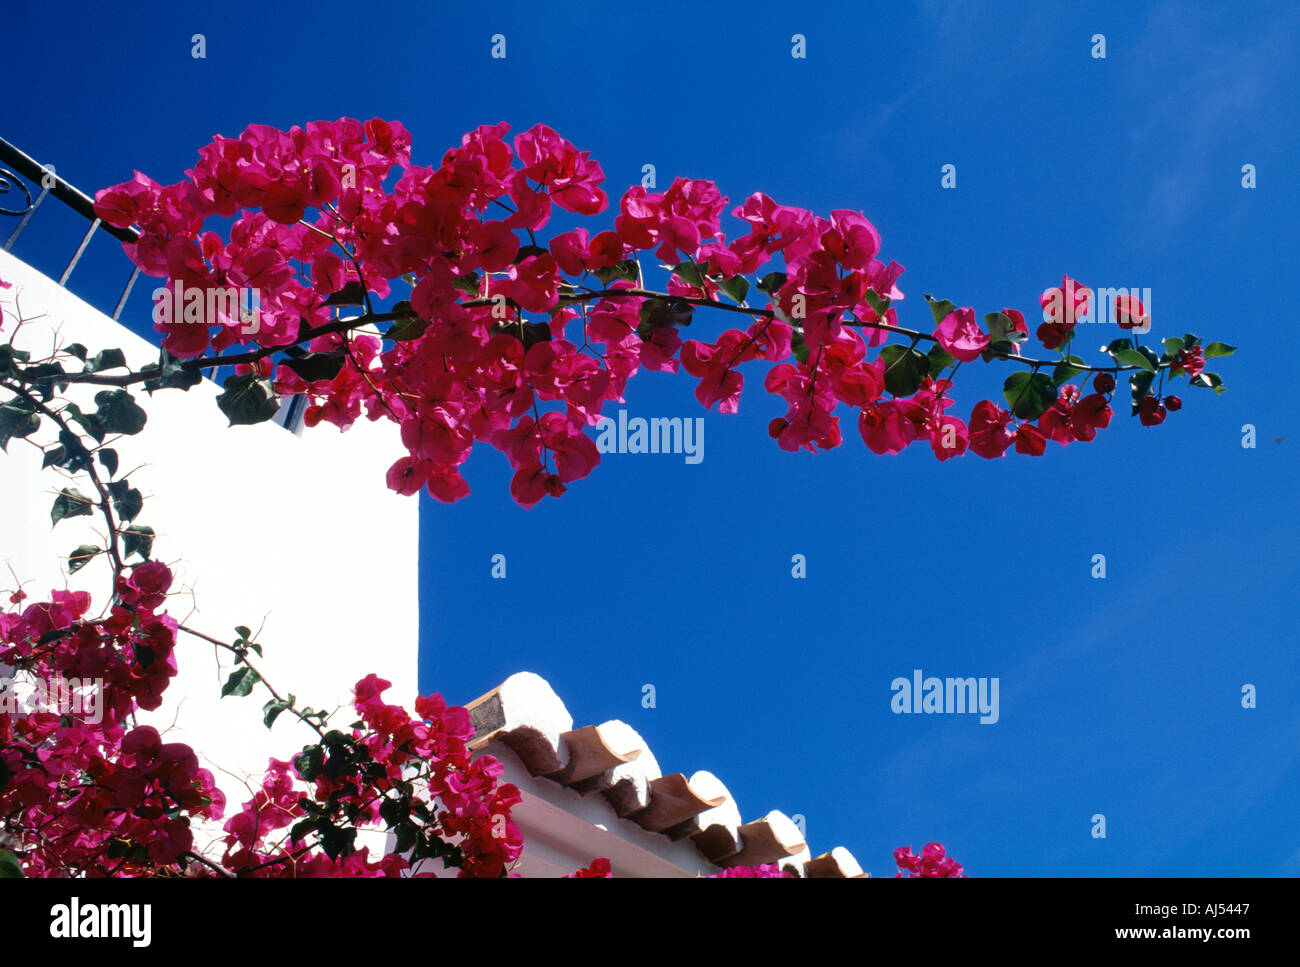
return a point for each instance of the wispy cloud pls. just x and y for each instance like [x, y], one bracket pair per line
[1199, 80]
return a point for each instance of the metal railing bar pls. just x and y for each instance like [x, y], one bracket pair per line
[126, 294]
[63, 279]
[73, 197]
[26, 218]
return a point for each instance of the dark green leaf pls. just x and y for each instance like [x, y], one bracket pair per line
[118, 413]
[352, 294]
[406, 329]
[240, 682]
[772, 282]
[1216, 349]
[468, 283]
[1140, 384]
[905, 368]
[878, 304]
[248, 399]
[940, 359]
[108, 457]
[656, 313]
[309, 761]
[137, 539]
[170, 373]
[1210, 381]
[108, 359]
[17, 419]
[625, 269]
[1066, 368]
[272, 709]
[1118, 344]
[689, 273]
[737, 287]
[127, 501]
[317, 366]
[81, 557]
[1131, 357]
[70, 503]
[1173, 345]
[1029, 394]
[939, 308]
[799, 346]
[10, 868]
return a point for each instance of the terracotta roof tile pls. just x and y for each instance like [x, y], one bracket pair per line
[613, 760]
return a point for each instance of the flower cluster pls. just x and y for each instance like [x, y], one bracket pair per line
[94, 793]
[933, 862]
[520, 345]
[99, 795]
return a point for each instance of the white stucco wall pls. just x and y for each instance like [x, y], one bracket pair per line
[295, 535]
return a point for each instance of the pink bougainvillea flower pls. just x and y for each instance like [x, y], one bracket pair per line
[1151, 412]
[1131, 314]
[961, 335]
[989, 433]
[1191, 360]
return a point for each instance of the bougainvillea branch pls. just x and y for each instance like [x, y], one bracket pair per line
[422, 295]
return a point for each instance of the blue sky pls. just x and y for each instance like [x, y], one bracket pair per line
[1118, 696]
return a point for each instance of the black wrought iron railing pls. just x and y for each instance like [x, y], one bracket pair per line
[25, 184]
[15, 166]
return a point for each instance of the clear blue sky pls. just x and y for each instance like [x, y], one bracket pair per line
[1118, 696]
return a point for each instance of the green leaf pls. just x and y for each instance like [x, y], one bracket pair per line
[118, 413]
[108, 359]
[468, 283]
[10, 867]
[81, 557]
[1029, 394]
[737, 287]
[170, 373]
[1066, 368]
[352, 294]
[940, 359]
[1173, 345]
[272, 709]
[1004, 337]
[137, 539]
[656, 313]
[70, 503]
[878, 305]
[624, 269]
[1131, 357]
[127, 501]
[939, 308]
[317, 366]
[17, 419]
[689, 273]
[1140, 384]
[76, 349]
[240, 682]
[905, 368]
[1216, 349]
[309, 762]
[771, 283]
[1210, 381]
[244, 632]
[406, 329]
[1118, 344]
[108, 458]
[248, 399]
[799, 346]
